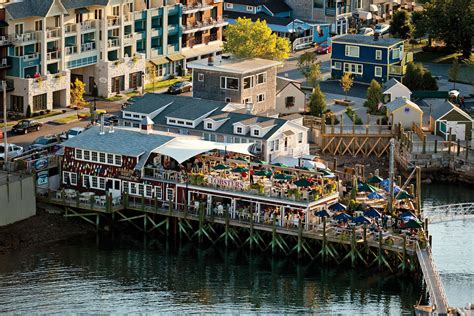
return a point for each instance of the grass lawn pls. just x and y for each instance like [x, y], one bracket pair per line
[440, 58]
[115, 98]
[67, 119]
[164, 83]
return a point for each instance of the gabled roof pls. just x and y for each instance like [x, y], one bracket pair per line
[400, 102]
[29, 8]
[262, 16]
[392, 83]
[283, 82]
[74, 4]
[275, 6]
[366, 40]
[219, 116]
[441, 107]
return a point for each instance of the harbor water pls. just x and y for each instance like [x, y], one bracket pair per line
[121, 274]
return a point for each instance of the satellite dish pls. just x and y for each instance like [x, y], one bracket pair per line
[103, 80]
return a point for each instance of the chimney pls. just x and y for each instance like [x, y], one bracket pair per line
[146, 125]
[102, 123]
[248, 108]
[210, 61]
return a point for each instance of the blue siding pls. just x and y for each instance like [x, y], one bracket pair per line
[366, 53]
[392, 60]
[325, 29]
[239, 8]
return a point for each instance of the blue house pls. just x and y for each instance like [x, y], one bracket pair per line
[279, 18]
[367, 58]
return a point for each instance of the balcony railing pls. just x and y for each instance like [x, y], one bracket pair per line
[29, 57]
[127, 18]
[128, 37]
[113, 21]
[70, 28]
[195, 7]
[25, 37]
[5, 40]
[53, 55]
[204, 25]
[86, 47]
[397, 70]
[70, 50]
[88, 25]
[339, 10]
[53, 33]
[113, 43]
[4, 63]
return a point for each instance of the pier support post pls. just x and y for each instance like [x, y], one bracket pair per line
[300, 238]
[97, 221]
[426, 226]
[201, 223]
[418, 190]
[274, 234]
[436, 146]
[458, 147]
[226, 228]
[467, 149]
[251, 231]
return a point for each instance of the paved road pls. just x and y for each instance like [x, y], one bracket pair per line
[358, 90]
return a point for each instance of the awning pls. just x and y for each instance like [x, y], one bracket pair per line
[159, 61]
[175, 57]
[3, 24]
[81, 10]
[373, 8]
[183, 149]
[288, 133]
[364, 15]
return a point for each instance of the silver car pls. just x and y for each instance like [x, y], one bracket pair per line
[13, 151]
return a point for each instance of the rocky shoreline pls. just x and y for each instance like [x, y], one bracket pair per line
[43, 228]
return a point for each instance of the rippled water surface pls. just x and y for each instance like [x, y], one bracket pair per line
[125, 275]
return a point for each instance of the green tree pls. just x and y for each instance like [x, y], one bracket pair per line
[310, 67]
[454, 72]
[346, 82]
[400, 25]
[317, 102]
[419, 25]
[451, 21]
[374, 97]
[418, 78]
[255, 39]
[151, 74]
[77, 93]
[428, 81]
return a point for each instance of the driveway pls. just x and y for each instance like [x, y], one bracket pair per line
[358, 90]
[290, 66]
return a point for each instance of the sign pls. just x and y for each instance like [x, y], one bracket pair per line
[40, 164]
[227, 183]
[42, 178]
[127, 174]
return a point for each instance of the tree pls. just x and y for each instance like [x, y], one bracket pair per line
[374, 97]
[346, 82]
[454, 72]
[418, 78]
[400, 25]
[428, 81]
[310, 68]
[77, 93]
[151, 74]
[317, 102]
[419, 25]
[451, 21]
[255, 39]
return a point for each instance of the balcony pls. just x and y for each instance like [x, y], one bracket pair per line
[113, 43]
[25, 37]
[397, 70]
[202, 26]
[173, 49]
[10, 85]
[88, 26]
[30, 57]
[196, 7]
[139, 15]
[127, 18]
[173, 10]
[345, 9]
[113, 21]
[173, 29]
[53, 56]
[5, 40]
[4, 64]
[70, 28]
[128, 38]
[54, 33]
[87, 47]
[407, 58]
[70, 50]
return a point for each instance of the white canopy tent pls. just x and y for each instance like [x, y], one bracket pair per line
[183, 149]
[294, 162]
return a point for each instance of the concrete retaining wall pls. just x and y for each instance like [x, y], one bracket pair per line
[17, 199]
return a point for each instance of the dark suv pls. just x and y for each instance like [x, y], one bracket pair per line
[25, 126]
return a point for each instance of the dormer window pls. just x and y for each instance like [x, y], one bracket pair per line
[239, 130]
[256, 132]
[208, 125]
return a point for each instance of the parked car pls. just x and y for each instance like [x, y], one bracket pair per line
[25, 126]
[180, 87]
[110, 119]
[73, 132]
[367, 31]
[381, 29]
[43, 141]
[13, 151]
[323, 48]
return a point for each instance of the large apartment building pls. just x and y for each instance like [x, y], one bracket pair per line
[106, 44]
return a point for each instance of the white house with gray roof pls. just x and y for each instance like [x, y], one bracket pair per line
[272, 137]
[395, 89]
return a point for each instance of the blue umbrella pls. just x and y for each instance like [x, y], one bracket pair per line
[406, 216]
[374, 196]
[361, 220]
[337, 207]
[342, 217]
[322, 213]
[372, 213]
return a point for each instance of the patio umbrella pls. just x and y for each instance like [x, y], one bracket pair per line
[403, 196]
[337, 207]
[242, 159]
[303, 183]
[282, 176]
[326, 173]
[413, 224]
[279, 164]
[374, 179]
[240, 170]
[374, 196]
[262, 173]
[365, 187]
[322, 213]
[361, 220]
[220, 167]
[304, 168]
[406, 216]
[260, 162]
[342, 217]
[372, 213]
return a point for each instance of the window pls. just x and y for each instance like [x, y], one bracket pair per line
[171, 121]
[248, 100]
[110, 159]
[94, 156]
[262, 78]
[352, 51]
[189, 123]
[353, 68]
[208, 125]
[40, 102]
[378, 54]
[125, 187]
[127, 114]
[396, 53]
[148, 191]
[277, 144]
[141, 189]
[19, 28]
[239, 130]
[102, 157]
[98, 14]
[227, 100]
[248, 82]
[229, 5]
[169, 194]
[78, 153]
[118, 160]
[378, 71]
[87, 155]
[180, 122]
[300, 138]
[229, 83]
[289, 101]
[272, 145]
[158, 193]
[260, 97]
[319, 4]
[200, 77]
[249, 8]
[38, 25]
[70, 178]
[337, 65]
[116, 10]
[78, 18]
[256, 132]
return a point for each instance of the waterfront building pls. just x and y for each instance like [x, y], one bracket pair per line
[230, 79]
[290, 98]
[279, 18]
[404, 112]
[368, 57]
[212, 120]
[395, 89]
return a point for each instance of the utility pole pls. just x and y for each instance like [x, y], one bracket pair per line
[5, 143]
[391, 174]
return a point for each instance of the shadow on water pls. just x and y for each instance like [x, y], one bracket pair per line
[130, 274]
